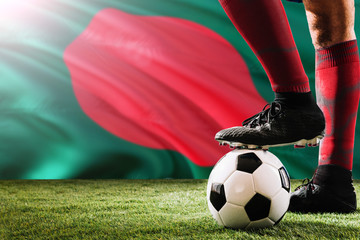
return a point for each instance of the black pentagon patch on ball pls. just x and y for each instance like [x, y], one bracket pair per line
[248, 162]
[217, 195]
[285, 179]
[258, 207]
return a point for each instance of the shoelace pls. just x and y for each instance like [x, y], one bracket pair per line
[268, 113]
[308, 184]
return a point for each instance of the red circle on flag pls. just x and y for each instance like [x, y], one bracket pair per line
[161, 82]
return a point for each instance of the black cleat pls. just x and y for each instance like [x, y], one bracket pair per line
[330, 192]
[277, 125]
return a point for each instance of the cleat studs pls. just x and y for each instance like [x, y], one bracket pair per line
[299, 146]
[237, 145]
[314, 142]
[233, 145]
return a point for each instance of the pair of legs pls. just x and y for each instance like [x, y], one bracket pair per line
[294, 117]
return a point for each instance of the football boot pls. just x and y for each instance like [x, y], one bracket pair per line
[278, 124]
[330, 190]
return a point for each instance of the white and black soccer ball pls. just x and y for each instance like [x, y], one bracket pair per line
[248, 189]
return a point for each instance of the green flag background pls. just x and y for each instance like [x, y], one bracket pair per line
[51, 130]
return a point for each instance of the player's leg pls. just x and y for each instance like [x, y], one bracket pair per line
[337, 78]
[294, 115]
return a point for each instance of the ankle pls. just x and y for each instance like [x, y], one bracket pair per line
[332, 175]
[294, 99]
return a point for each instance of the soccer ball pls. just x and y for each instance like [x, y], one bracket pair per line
[248, 189]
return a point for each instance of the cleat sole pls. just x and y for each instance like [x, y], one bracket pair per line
[298, 144]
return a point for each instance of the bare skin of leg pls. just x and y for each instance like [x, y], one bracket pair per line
[330, 21]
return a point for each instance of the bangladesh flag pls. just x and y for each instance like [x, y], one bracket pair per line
[129, 88]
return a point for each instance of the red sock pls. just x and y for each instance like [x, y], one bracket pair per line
[264, 26]
[338, 91]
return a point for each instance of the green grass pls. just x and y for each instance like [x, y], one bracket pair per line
[141, 209]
